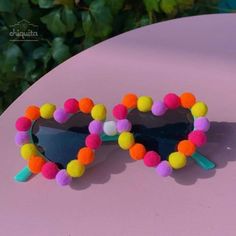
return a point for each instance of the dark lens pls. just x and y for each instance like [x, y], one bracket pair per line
[161, 133]
[60, 143]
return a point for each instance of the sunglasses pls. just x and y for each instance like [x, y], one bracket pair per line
[60, 143]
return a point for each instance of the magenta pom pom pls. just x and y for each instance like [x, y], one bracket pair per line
[159, 108]
[93, 141]
[120, 112]
[60, 115]
[202, 123]
[172, 101]
[22, 138]
[123, 125]
[151, 159]
[197, 137]
[95, 127]
[164, 169]
[23, 124]
[63, 178]
[71, 105]
[49, 170]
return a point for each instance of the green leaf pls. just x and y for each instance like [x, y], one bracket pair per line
[115, 5]
[86, 22]
[54, 23]
[29, 67]
[40, 52]
[151, 5]
[185, 4]
[6, 6]
[69, 19]
[169, 7]
[46, 3]
[60, 51]
[78, 32]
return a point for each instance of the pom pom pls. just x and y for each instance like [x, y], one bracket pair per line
[22, 138]
[144, 103]
[187, 100]
[159, 108]
[123, 125]
[99, 112]
[120, 112]
[86, 105]
[152, 159]
[95, 127]
[60, 116]
[28, 150]
[172, 101]
[49, 170]
[35, 164]
[47, 110]
[23, 124]
[199, 109]
[202, 123]
[75, 169]
[177, 160]
[186, 147]
[71, 105]
[137, 151]
[126, 140]
[85, 156]
[32, 112]
[109, 128]
[63, 178]
[197, 137]
[93, 141]
[164, 169]
[130, 101]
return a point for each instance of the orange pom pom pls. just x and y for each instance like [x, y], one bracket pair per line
[32, 112]
[85, 155]
[130, 100]
[187, 100]
[186, 147]
[35, 164]
[137, 151]
[86, 105]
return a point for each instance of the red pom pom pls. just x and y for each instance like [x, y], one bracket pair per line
[151, 159]
[197, 137]
[71, 105]
[23, 124]
[172, 101]
[120, 112]
[93, 141]
[49, 170]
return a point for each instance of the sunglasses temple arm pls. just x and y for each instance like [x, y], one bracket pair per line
[202, 161]
[23, 175]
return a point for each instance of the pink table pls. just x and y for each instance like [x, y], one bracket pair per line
[120, 197]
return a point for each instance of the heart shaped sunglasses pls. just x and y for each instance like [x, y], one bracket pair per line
[60, 143]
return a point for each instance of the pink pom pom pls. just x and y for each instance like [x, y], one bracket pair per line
[95, 127]
[93, 141]
[120, 112]
[164, 169]
[172, 101]
[71, 105]
[49, 170]
[197, 137]
[123, 125]
[23, 124]
[151, 159]
[60, 115]
[22, 138]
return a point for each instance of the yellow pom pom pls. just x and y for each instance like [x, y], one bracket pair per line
[144, 103]
[28, 150]
[75, 168]
[126, 140]
[199, 109]
[47, 110]
[177, 160]
[99, 112]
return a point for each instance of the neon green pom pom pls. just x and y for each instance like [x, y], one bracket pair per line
[126, 140]
[177, 160]
[99, 112]
[199, 109]
[47, 110]
[144, 103]
[75, 169]
[28, 150]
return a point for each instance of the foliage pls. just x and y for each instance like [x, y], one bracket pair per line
[67, 27]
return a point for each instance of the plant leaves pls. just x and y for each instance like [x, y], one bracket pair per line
[60, 51]
[6, 6]
[69, 19]
[169, 7]
[115, 5]
[40, 52]
[46, 3]
[151, 5]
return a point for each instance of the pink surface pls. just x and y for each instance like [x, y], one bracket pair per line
[118, 196]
